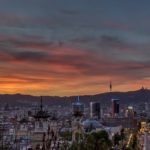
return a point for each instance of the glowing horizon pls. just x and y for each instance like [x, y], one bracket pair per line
[55, 49]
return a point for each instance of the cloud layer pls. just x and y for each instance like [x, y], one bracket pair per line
[59, 50]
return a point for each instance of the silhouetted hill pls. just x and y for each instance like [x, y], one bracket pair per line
[142, 95]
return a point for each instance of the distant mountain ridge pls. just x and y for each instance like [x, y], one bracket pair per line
[139, 96]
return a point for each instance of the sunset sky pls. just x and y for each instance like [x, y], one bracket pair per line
[74, 47]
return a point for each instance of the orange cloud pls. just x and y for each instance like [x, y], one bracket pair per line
[47, 68]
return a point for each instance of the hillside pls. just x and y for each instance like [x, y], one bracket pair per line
[142, 95]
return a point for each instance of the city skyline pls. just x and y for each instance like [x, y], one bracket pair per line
[73, 48]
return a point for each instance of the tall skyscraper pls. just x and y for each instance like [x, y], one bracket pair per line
[115, 107]
[78, 108]
[95, 110]
[130, 113]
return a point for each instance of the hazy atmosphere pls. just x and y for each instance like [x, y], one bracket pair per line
[66, 47]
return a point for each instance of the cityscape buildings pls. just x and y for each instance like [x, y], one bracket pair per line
[115, 107]
[95, 110]
[58, 127]
[53, 50]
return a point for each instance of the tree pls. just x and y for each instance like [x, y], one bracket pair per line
[139, 126]
[66, 135]
[99, 140]
[90, 142]
[117, 138]
[122, 134]
[93, 141]
[134, 142]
